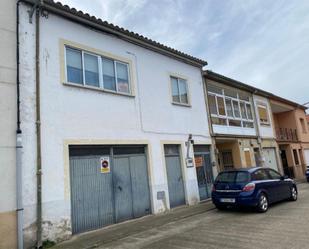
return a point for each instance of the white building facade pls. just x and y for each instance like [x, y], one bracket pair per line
[266, 129]
[115, 114]
[8, 123]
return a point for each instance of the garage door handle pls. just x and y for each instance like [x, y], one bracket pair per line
[120, 188]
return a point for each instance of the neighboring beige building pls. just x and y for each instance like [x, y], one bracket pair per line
[7, 124]
[254, 127]
[292, 134]
[233, 123]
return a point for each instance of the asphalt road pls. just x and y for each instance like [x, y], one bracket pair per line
[285, 225]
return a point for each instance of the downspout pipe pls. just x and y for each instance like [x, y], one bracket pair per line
[38, 126]
[19, 190]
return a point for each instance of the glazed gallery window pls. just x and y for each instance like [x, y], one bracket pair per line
[93, 70]
[263, 114]
[179, 91]
[228, 107]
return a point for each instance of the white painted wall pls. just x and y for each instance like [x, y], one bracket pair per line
[70, 113]
[7, 107]
[231, 130]
[265, 131]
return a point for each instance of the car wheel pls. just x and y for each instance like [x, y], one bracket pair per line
[263, 204]
[293, 194]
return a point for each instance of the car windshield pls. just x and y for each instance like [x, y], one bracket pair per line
[233, 177]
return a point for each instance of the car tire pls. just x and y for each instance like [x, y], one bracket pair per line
[263, 203]
[293, 194]
[221, 207]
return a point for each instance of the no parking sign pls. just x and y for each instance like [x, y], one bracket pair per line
[104, 164]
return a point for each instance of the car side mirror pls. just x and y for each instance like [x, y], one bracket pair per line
[282, 178]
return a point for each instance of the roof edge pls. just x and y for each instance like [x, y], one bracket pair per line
[98, 24]
[237, 84]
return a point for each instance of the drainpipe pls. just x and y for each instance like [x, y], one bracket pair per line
[215, 162]
[258, 132]
[19, 195]
[38, 127]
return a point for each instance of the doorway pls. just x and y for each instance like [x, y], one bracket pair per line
[204, 172]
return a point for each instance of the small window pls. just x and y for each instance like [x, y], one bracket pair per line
[109, 78]
[91, 70]
[171, 149]
[303, 125]
[74, 66]
[221, 106]
[218, 121]
[263, 114]
[122, 77]
[179, 91]
[296, 160]
[229, 108]
[234, 122]
[248, 124]
[236, 109]
[212, 104]
[243, 110]
[249, 111]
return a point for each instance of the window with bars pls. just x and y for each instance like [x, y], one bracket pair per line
[228, 107]
[88, 69]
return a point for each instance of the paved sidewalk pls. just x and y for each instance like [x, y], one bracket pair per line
[98, 238]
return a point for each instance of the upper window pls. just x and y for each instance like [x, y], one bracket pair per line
[263, 114]
[89, 69]
[179, 91]
[228, 107]
[303, 125]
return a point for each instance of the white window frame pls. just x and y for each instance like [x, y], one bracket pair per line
[100, 71]
[226, 117]
[268, 118]
[187, 91]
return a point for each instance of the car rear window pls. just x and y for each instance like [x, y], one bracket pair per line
[233, 177]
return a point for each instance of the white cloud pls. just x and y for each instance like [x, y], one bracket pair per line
[263, 43]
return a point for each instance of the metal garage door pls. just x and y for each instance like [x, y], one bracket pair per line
[306, 155]
[174, 176]
[99, 199]
[270, 158]
[203, 170]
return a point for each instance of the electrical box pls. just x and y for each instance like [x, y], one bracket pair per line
[189, 162]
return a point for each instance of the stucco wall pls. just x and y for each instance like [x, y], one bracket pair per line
[265, 131]
[71, 115]
[7, 124]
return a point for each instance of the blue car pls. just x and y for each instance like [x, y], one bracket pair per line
[307, 173]
[254, 187]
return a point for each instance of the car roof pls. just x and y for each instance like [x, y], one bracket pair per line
[249, 170]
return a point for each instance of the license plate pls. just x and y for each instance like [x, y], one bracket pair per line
[227, 200]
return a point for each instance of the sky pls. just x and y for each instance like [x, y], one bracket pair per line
[264, 43]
